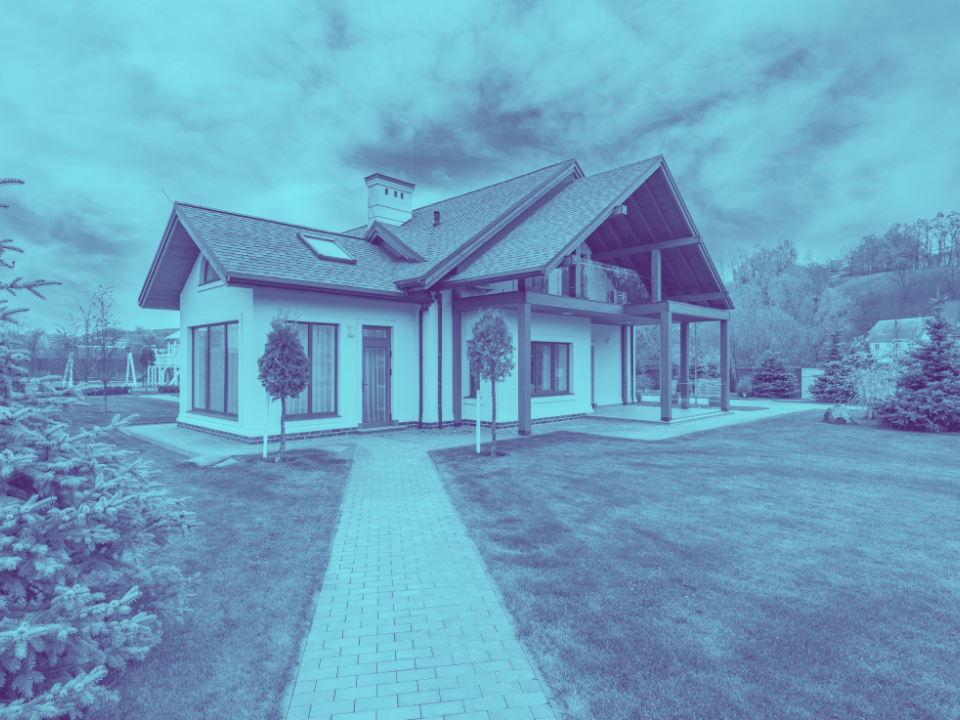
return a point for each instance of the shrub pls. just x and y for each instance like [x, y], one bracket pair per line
[745, 386]
[284, 369]
[928, 390]
[837, 382]
[110, 390]
[874, 381]
[172, 389]
[645, 384]
[773, 380]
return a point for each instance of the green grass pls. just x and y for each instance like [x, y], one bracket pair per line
[149, 409]
[781, 568]
[261, 555]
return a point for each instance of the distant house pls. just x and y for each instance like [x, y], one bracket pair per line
[893, 337]
[384, 310]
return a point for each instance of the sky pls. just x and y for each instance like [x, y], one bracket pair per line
[818, 121]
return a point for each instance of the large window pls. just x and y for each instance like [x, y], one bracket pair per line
[320, 396]
[551, 368]
[215, 368]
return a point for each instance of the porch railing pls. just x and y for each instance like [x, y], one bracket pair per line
[595, 281]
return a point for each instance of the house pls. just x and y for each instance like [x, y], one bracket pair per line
[889, 338]
[574, 263]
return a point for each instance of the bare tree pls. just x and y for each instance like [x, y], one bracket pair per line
[106, 335]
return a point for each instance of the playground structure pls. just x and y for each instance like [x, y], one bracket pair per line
[166, 365]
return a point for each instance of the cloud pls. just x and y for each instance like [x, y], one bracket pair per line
[823, 121]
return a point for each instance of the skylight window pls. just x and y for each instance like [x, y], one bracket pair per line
[326, 248]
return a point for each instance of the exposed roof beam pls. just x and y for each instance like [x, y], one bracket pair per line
[646, 248]
[690, 270]
[699, 297]
[656, 207]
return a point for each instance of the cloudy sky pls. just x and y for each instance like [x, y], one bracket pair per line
[819, 121]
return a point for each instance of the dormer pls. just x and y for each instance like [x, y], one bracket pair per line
[389, 200]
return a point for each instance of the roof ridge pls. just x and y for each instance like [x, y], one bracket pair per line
[262, 219]
[487, 187]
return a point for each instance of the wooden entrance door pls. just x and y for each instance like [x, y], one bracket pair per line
[377, 369]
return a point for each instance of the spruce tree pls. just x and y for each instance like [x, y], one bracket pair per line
[773, 380]
[77, 515]
[928, 390]
[837, 382]
[284, 369]
[490, 352]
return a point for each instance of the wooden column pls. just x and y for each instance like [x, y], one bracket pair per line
[524, 414]
[666, 367]
[683, 383]
[655, 285]
[457, 379]
[724, 366]
[625, 363]
[633, 364]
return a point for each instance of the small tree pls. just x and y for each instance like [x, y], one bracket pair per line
[837, 382]
[147, 356]
[490, 352]
[773, 380]
[284, 368]
[928, 390]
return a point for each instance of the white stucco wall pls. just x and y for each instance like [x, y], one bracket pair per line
[204, 305]
[549, 328]
[608, 385]
[254, 309]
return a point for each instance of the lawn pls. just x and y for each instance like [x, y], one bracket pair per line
[261, 554]
[149, 409]
[780, 568]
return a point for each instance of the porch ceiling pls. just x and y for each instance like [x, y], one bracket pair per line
[656, 218]
[599, 312]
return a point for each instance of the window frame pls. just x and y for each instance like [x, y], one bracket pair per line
[534, 391]
[204, 266]
[226, 370]
[336, 373]
[472, 384]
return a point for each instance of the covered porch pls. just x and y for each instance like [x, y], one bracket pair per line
[623, 317]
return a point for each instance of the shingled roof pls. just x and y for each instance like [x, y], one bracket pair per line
[519, 225]
[907, 329]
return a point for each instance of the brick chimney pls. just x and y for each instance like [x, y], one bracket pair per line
[389, 200]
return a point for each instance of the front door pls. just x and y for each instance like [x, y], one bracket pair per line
[376, 376]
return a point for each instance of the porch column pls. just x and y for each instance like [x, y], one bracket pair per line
[655, 286]
[625, 363]
[633, 364]
[457, 379]
[524, 414]
[683, 383]
[724, 367]
[666, 367]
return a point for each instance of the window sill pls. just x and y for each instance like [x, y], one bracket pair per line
[213, 413]
[552, 395]
[312, 416]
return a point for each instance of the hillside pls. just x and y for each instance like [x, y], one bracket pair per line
[891, 295]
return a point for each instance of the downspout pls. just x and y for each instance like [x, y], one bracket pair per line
[439, 297]
[423, 308]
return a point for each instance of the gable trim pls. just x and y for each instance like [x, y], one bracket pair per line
[448, 264]
[581, 237]
[392, 241]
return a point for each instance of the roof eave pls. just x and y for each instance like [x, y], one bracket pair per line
[250, 280]
[600, 218]
[450, 262]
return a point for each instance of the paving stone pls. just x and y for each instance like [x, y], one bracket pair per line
[406, 609]
[517, 713]
[535, 698]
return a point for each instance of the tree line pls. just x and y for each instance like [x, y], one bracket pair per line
[926, 243]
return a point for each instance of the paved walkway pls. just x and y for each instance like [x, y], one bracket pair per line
[408, 624]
